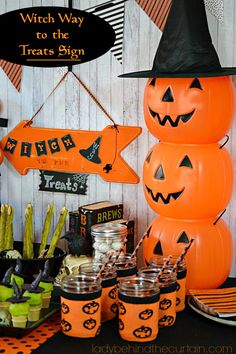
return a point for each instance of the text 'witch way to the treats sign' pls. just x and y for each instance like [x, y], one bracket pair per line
[53, 36]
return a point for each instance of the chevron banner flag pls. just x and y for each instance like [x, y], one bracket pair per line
[158, 10]
[113, 12]
[13, 71]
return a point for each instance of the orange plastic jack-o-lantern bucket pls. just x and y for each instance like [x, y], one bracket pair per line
[188, 181]
[189, 110]
[210, 256]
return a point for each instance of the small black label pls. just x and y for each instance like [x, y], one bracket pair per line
[62, 182]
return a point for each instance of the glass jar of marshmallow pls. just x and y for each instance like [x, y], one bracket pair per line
[107, 237]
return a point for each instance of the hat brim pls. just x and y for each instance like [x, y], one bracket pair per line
[155, 74]
[35, 291]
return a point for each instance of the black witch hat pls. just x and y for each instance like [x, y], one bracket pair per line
[185, 48]
[34, 286]
[7, 278]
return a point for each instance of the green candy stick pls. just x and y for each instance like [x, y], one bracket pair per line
[28, 251]
[46, 228]
[9, 227]
[57, 232]
[2, 227]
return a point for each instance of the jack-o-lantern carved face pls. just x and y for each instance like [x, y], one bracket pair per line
[177, 301]
[189, 110]
[142, 332]
[66, 326]
[90, 323]
[91, 308]
[165, 304]
[188, 181]
[166, 321]
[64, 308]
[146, 314]
[112, 293]
[122, 309]
[114, 308]
[205, 270]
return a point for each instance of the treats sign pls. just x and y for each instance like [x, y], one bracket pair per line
[71, 150]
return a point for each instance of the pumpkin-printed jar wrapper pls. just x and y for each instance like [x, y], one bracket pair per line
[138, 303]
[181, 272]
[81, 306]
[109, 287]
[168, 284]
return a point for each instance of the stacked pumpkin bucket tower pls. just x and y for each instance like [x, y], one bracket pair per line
[189, 105]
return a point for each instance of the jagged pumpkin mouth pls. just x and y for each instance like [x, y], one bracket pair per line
[173, 122]
[165, 199]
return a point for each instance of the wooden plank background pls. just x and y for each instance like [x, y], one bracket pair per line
[71, 107]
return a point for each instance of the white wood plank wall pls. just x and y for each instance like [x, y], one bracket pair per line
[71, 107]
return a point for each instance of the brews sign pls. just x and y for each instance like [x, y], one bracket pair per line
[71, 151]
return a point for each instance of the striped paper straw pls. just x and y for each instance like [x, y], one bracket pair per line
[138, 245]
[108, 260]
[118, 253]
[182, 255]
[165, 264]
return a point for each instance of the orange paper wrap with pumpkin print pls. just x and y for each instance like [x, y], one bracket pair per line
[181, 290]
[167, 306]
[81, 314]
[138, 317]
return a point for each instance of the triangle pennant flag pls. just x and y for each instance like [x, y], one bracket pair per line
[13, 71]
[158, 10]
[216, 7]
[113, 12]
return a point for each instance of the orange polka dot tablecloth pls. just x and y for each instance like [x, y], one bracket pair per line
[25, 345]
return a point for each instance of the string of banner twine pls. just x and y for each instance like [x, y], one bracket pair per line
[114, 126]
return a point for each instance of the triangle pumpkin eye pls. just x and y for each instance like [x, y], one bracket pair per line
[183, 238]
[158, 249]
[153, 82]
[160, 173]
[196, 84]
[186, 162]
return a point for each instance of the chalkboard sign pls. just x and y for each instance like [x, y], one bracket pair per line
[75, 183]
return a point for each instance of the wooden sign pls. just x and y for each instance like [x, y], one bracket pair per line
[71, 150]
[62, 182]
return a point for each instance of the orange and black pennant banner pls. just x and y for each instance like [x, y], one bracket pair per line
[158, 10]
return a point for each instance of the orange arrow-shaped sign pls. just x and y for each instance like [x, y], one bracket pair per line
[66, 150]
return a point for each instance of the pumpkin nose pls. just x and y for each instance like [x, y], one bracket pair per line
[168, 96]
[160, 173]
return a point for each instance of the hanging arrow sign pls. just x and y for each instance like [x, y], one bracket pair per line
[66, 150]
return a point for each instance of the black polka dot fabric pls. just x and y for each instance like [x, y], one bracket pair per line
[33, 340]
